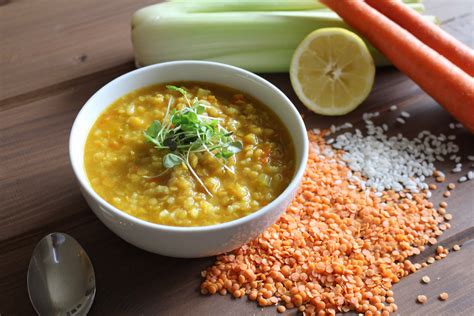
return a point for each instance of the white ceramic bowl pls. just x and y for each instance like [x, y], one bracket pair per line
[188, 242]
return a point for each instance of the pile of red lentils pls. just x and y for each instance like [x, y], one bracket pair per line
[335, 249]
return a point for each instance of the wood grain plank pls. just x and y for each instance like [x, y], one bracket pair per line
[71, 41]
[134, 282]
[447, 275]
[39, 195]
[36, 177]
[457, 18]
[448, 12]
[46, 42]
[34, 146]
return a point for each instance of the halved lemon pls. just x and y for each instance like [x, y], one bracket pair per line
[332, 71]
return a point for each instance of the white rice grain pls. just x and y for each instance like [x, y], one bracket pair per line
[395, 162]
[405, 114]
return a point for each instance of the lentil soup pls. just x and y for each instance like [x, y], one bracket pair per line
[130, 173]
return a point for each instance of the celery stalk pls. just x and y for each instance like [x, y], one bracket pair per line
[195, 6]
[260, 41]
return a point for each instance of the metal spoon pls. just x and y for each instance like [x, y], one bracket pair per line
[61, 278]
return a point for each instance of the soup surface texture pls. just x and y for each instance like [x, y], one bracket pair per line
[128, 171]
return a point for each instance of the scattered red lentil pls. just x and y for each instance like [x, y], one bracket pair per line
[443, 204]
[432, 186]
[422, 299]
[281, 309]
[440, 179]
[451, 186]
[443, 296]
[334, 249]
[236, 294]
[447, 194]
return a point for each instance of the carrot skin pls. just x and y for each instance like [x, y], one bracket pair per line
[437, 76]
[432, 35]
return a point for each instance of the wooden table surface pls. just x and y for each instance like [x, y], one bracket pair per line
[54, 54]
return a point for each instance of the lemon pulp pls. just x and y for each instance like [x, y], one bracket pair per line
[332, 71]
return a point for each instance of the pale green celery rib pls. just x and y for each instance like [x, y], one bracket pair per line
[261, 41]
[255, 5]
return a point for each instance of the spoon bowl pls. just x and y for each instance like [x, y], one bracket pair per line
[61, 278]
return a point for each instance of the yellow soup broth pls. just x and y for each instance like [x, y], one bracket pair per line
[122, 166]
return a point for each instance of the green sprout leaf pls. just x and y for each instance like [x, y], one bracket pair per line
[171, 160]
[175, 88]
[200, 109]
[235, 147]
[191, 130]
[153, 129]
[225, 154]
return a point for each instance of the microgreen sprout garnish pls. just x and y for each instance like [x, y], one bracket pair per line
[191, 130]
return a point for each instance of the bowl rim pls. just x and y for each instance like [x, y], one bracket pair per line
[291, 187]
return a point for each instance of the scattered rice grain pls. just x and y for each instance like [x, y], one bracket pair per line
[470, 175]
[405, 114]
[425, 279]
[401, 120]
[462, 179]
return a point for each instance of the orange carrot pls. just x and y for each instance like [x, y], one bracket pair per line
[436, 75]
[432, 35]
